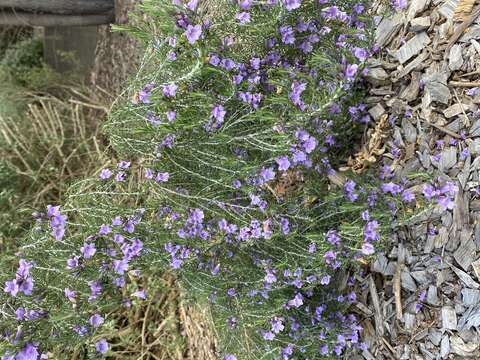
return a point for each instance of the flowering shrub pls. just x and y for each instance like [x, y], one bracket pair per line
[236, 120]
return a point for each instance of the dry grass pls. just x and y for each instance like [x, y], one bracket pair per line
[55, 141]
[164, 327]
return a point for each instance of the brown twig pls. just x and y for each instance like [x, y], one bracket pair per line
[464, 83]
[397, 287]
[397, 291]
[445, 130]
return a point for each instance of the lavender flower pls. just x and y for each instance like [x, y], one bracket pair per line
[105, 174]
[162, 177]
[243, 17]
[170, 90]
[292, 4]
[287, 35]
[400, 4]
[101, 346]
[193, 33]
[88, 250]
[96, 320]
[283, 163]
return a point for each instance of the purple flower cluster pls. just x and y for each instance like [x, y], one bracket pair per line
[216, 119]
[120, 172]
[443, 194]
[23, 281]
[57, 221]
[145, 93]
[228, 220]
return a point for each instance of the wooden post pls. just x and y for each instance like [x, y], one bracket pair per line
[29, 19]
[70, 48]
[70, 34]
[56, 12]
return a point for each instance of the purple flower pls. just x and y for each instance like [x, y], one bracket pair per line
[170, 90]
[267, 174]
[285, 226]
[171, 115]
[277, 325]
[400, 4]
[11, 287]
[368, 248]
[270, 278]
[104, 229]
[141, 294]
[429, 191]
[148, 173]
[96, 320]
[365, 215]
[350, 71]
[472, 91]
[408, 196]
[229, 357]
[144, 94]
[88, 250]
[57, 224]
[329, 256]
[120, 176]
[196, 216]
[243, 17]
[245, 4]
[218, 112]
[124, 165]
[287, 35]
[231, 292]
[360, 53]
[101, 346]
[28, 352]
[192, 5]
[168, 141]
[72, 263]
[349, 188]
[292, 4]
[333, 237]
[297, 89]
[297, 301]
[95, 287]
[105, 174]
[193, 33]
[70, 294]
[449, 188]
[370, 232]
[392, 188]
[120, 266]
[446, 202]
[283, 163]
[309, 144]
[325, 280]
[162, 177]
[268, 335]
[172, 55]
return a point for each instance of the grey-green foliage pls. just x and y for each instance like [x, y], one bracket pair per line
[203, 166]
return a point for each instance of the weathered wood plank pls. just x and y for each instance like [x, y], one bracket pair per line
[74, 7]
[28, 19]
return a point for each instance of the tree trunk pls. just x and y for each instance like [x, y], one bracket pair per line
[28, 19]
[73, 7]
